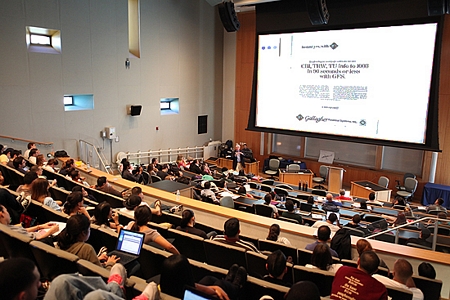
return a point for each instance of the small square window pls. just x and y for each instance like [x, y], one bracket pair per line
[68, 100]
[40, 39]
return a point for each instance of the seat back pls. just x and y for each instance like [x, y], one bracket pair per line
[431, 288]
[263, 210]
[304, 256]
[274, 164]
[53, 262]
[227, 201]
[319, 192]
[268, 181]
[281, 192]
[189, 244]
[323, 171]
[256, 288]
[266, 188]
[293, 168]
[383, 181]
[323, 279]
[386, 237]
[151, 260]
[223, 255]
[266, 245]
[256, 264]
[15, 244]
[253, 185]
[288, 220]
[399, 294]
[411, 185]
[285, 186]
[87, 268]
[155, 178]
[408, 175]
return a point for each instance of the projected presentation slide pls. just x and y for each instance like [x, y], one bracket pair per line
[369, 82]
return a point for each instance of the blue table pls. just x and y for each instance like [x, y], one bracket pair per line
[432, 191]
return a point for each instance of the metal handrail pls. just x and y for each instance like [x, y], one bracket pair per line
[88, 157]
[436, 225]
[167, 155]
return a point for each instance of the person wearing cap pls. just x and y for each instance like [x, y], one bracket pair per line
[424, 234]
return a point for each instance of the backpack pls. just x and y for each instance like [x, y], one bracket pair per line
[342, 244]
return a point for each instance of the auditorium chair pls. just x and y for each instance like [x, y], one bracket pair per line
[190, 245]
[227, 201]
[409, 189]
[399, 294]
[289, 251]
[274, 164]
[293, 168]
[268, 181]
[431, 288]
[321, 179]
[256, 264]
[263, 210]
[284, 186]
[323, 279]
[266, 188]
[223, 255]
[14, 244]
[151, 260]
[383, 181]
[317, 192]
[304, 256]
[155, 178]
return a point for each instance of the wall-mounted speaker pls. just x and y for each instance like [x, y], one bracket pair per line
[317, 11]
[228, 16]
[134, 110]
[202, 124]
[436, 7]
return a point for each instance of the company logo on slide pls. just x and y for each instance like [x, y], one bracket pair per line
[334, 46]
[300, 117]
[363, 122]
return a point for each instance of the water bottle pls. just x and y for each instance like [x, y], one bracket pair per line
[300, 187]
[178, 195]
[306, 186]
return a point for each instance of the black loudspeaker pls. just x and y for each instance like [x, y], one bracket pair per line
[228, 16]
[135, 110]
[202, 124]
[317, 11]
[436, 7]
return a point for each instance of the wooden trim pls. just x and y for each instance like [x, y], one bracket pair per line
[24, 140]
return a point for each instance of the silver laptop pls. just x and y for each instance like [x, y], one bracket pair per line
[129, 245]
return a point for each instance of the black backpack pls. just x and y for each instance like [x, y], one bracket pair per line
[342, 244]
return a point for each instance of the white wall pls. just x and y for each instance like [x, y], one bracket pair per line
[181, 56]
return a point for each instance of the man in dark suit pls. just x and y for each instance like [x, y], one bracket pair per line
[195, 167]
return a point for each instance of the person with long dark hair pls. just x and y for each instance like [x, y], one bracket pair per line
[74, 205]
[103, 214]
[274, 235]
[321, 259]
[39, 192]
[127, 174]
[73, 240]
[143, 215]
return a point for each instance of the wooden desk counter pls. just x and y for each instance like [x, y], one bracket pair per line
[295, 178]
[298, 235]
[363, 189]
[249, 167]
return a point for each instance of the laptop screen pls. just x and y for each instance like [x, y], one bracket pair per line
[130, 241]
[192, 294]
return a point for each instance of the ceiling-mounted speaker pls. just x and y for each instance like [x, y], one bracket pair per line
[228, 16]
[436, 7]
[317, 11]
[134, 110]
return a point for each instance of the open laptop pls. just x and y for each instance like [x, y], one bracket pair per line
[129, 245]
[305, 209]
[191, 293]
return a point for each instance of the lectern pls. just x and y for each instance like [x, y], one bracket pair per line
[335, 175]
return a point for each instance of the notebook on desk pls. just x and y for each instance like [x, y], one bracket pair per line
[129, 245]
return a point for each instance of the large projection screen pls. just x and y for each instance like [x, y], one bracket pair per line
[373, 83]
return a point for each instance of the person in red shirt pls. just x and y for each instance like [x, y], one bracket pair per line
[358, 283]
[342, 196]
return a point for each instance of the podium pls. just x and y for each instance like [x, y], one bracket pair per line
[335, 175]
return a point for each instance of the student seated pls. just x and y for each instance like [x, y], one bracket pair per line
[276, 266]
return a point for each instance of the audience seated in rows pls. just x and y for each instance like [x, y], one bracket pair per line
[19, 163]
[25, 188]
[6, 156]
[426, 270]
[323, 237]
[330, 204]
[276, 266]
[363, 245]
[268, 201]
[424, 234]
[137, 190]
[187, 225]
[30, 146]
[332, 218]
[274, 235]
[243, 192]
[177, 274]
[231, 236]
[104, 186]
[358, 283]
[321, 259]
[437, 205]
[402, 278]
[74, 205]
[142, 216]
[51, 164]
[103, 213]
[67, 167]
[82, 190]
[32, 158]
[34, 232]
[290, 213]
[40, 160]
[40, 192]
[73, 240]
[342, 196]
[128, 174]
[75, 176]
[14, 154]
[14, 205]
[20, 279]
[208, 194]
